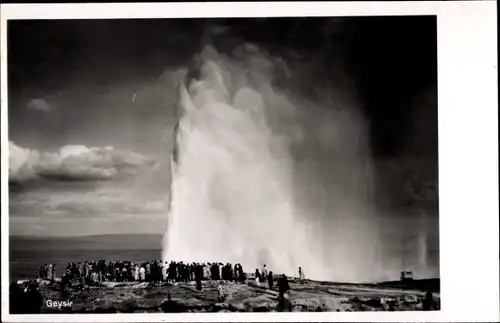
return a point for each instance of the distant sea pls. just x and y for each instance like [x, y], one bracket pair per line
[27, 254]
[401, 246]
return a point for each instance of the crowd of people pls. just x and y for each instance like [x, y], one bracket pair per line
[94, 273]
[47, 271]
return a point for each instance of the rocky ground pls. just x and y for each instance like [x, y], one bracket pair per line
[309, 296]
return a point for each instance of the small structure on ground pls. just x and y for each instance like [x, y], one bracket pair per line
[406, 275]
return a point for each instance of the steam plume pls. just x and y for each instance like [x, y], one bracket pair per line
[263, 174]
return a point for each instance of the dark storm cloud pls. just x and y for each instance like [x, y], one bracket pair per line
[389, 60]
[386, 67]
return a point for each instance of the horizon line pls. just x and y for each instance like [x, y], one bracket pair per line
[81, 236]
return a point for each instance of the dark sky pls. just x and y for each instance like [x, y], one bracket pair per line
[98, 83]
[392, 60]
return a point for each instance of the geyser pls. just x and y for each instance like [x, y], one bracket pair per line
[264, 174]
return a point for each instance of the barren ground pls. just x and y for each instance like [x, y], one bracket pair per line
[311, 296]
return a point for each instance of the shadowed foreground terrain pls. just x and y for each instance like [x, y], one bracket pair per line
[309, 296]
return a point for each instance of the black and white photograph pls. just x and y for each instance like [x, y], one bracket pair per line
[223, 164]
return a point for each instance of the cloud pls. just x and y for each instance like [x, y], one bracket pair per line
[72, 163]
[86, 209]
[22, 163]
[39, 105]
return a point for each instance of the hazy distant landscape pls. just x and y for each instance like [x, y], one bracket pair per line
[27, 254]
[104, 242]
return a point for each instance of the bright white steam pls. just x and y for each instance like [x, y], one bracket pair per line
[262, 176]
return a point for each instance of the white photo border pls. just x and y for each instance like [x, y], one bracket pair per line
[468, 149]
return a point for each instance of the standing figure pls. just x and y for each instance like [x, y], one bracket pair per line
[264, 272]
[302, 277]
[111, 270]
[192, 269]
[45, 271]
[257, 278]
[142, 274]
[49, 272]
[230, 272]
[124, 274]
[148, 271]
[136, 272]
[206, 272]
[117, 273]
[86, 272]
[241, 274]
[41, 272]
[270, 280]
[221, 292]
[219, 270]
[235, 273]
[198, 274]
[283, 286]
[164, 271]
[54, 272]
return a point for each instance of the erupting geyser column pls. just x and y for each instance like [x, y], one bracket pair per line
[235, 177]
[231, 195]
